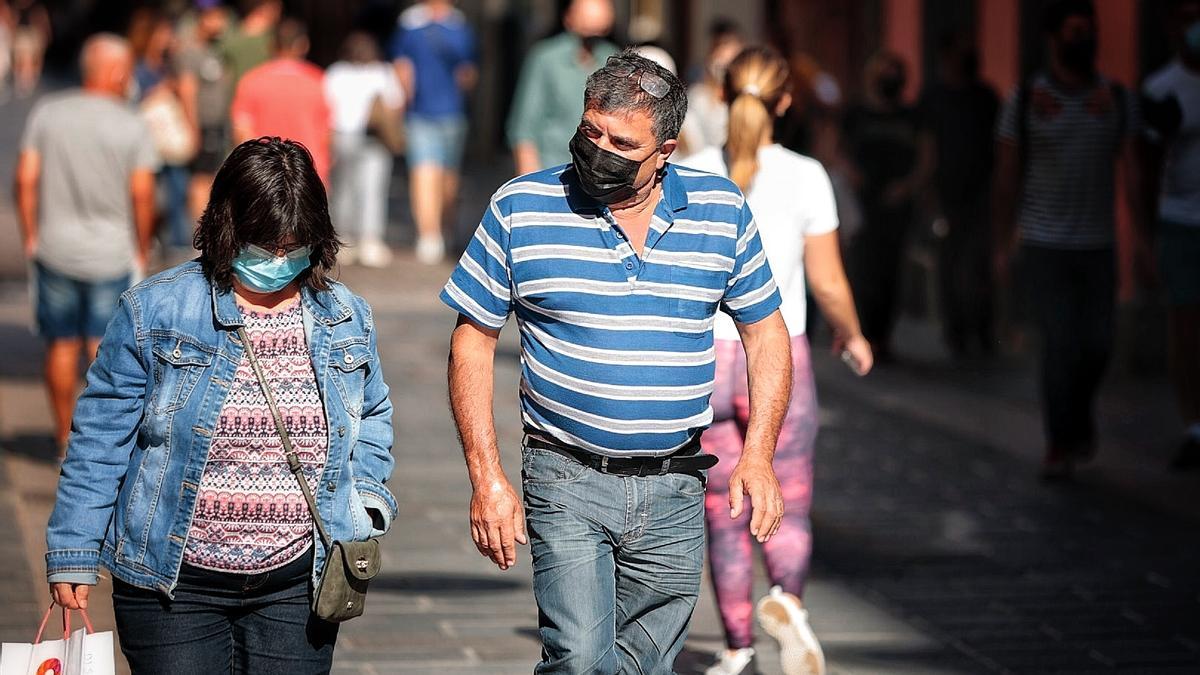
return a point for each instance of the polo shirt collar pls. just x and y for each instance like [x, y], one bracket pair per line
[674, 195]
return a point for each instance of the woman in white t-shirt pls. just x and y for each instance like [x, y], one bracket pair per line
[793, 205]
[362, 165]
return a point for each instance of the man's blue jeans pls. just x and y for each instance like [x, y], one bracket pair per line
[616, 564]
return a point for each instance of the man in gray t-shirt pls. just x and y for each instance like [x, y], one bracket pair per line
[85, 201]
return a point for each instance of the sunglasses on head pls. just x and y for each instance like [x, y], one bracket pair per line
[650, 83]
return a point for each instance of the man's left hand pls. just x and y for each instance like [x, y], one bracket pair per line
[756, 478]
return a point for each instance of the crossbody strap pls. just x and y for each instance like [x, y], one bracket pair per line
[292, 460]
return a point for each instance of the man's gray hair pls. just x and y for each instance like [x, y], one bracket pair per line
[607, 91]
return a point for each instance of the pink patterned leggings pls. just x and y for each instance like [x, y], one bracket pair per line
[729, 542]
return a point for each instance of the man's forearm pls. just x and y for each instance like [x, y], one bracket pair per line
[525, 157]
[143, 212]
[769, 369]
[470, 373]
[26, 194]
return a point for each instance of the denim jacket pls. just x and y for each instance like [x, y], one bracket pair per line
[144, 424]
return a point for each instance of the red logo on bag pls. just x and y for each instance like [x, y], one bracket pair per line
[50, 667]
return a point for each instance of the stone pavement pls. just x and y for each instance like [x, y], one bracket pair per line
[937, 551]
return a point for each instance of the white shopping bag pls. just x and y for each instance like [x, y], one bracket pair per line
[84, 652]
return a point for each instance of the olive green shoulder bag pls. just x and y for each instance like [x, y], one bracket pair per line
[341, 592]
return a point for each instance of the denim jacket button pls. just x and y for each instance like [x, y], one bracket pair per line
[348, 359]
[331, 486]
[341, 431]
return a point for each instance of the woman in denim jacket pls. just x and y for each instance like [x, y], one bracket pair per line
[175, 478]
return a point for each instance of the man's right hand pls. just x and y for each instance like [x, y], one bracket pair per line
[497, 521]
[70, 596]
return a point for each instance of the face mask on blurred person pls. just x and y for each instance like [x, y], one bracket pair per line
[604, 176]
[1078, 54]
[262, 271]
[590, 42]
[890, 86]
[1191, 39]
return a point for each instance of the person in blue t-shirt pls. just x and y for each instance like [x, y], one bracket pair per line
[434, 52]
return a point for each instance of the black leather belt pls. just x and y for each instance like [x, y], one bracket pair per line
[687, 460]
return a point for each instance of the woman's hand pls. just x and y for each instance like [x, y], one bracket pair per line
[70, 596]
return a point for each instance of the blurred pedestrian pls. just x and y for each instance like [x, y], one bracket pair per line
[28, 24]
[205, 86]
[793, 204]
[85, 203]
[880, 138]
[1060, 137]
[177, 478]
[152, 37]
[704, 126]
[1172, 113]
[286, 97]
[250, 44]
[434, 53]
[362, 164]
[615, 266]
[546, 107]
[958, 118]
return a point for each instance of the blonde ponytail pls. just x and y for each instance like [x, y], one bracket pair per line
[748, 119]
[754, 83]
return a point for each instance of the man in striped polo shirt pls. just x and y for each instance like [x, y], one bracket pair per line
[615, 266]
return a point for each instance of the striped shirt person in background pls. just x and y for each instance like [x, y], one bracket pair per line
[1059, 139]
[615, 266]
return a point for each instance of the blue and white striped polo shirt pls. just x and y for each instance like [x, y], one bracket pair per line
[616, 351]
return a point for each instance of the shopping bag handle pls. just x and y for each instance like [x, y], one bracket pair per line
[87, 623]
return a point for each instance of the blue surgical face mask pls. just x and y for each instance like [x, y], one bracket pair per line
[262, 271]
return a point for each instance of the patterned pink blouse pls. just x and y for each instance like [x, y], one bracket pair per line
[250, 515]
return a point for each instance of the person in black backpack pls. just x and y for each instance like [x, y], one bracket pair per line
[1059, 139]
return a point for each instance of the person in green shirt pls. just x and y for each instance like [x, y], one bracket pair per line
[249, 45]
[549, 97]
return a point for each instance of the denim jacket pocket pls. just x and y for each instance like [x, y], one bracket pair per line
[178, 363]
[350, 360]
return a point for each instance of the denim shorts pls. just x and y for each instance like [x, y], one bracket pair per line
[436, 140]
[73, 308]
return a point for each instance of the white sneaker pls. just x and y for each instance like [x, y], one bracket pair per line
[731, 662]
[374, 253]
[781, 615]
[430, 250]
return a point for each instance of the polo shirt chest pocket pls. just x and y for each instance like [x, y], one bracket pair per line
[350, 361]
[179, 361]
[694, 300]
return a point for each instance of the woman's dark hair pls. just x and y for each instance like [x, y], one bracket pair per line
[265, 193]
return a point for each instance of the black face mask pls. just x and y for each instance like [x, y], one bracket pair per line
[604, 176]
[890, 86]
[1079, 55]
[590, 43]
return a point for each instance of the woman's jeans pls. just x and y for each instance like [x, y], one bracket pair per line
[362, 172]
[616, 565]
[219, 622]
